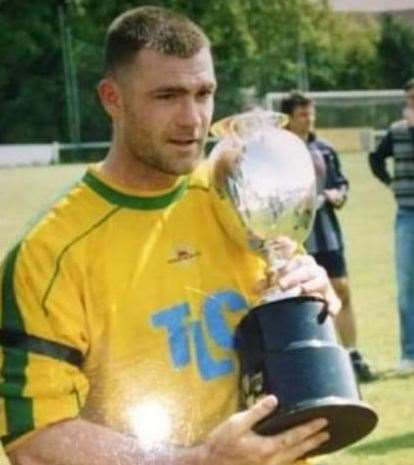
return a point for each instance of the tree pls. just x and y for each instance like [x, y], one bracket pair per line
[31, 89]
[395, 52]
[255, 44]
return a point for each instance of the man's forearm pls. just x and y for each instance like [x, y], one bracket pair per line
[377, 159]
[78, 442]
[379, 169]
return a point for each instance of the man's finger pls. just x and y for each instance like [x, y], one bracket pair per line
[333, 301]
[299, 451]
[301, 275]
[298, 435]
[257, 412]
[313, 286]
[297, 262]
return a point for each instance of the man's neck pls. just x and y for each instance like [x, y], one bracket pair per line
[131, 173]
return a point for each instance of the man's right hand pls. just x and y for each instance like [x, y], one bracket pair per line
[235, 443]
[408, 115]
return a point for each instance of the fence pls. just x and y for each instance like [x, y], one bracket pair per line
[345, 140]
[28, 154]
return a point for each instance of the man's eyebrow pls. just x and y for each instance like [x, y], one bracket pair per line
[211, 86]
[166, 89]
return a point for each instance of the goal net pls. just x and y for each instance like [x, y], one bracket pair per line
[354, 108]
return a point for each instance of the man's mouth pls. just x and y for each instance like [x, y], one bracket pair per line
[184, 142]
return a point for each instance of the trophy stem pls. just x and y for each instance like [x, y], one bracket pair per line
[277, 254]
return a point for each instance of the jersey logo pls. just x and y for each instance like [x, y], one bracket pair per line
[190, 341]
[183, 253]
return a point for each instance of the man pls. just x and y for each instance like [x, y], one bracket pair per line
[399, 144]
[325, 242]
[118, 307]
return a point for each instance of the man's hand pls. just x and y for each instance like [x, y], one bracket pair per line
[408, 115]
[79, 442]
[303, 272]
[300, 274]
[335, 197]
[234, 443]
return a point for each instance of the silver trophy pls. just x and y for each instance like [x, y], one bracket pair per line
[259, 201]
[264, 194]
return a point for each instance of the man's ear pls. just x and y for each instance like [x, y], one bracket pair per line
[110, 95]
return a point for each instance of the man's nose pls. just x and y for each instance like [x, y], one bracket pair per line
[189, 114]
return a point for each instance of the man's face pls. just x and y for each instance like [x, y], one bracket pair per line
[166, 106]
[302, 120]
[410, 99]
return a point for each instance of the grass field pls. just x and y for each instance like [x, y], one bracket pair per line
[368, 223]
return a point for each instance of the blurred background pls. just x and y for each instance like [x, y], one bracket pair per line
[352, 56]
[51, 60]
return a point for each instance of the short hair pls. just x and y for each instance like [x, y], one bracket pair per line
[295, 99]
[409, 85]
[154, 28]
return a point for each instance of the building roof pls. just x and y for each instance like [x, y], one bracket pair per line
[372, 5]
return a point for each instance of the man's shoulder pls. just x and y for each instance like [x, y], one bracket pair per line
[323, 145]
[200, 177]
[67, 216]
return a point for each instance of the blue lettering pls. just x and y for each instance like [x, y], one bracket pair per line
[209, 368]
[214, 308]
[173, 320]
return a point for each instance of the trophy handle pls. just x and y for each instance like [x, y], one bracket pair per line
[323, 315]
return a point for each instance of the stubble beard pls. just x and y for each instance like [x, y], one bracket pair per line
[147, 152]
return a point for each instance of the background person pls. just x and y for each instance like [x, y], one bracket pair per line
[326, 241]
[398, 143]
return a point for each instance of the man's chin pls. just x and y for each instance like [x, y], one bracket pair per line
[180, 167]
[181, 164]
[186, 167]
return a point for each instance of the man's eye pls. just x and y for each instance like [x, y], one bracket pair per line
[165, 96]
[205, 94]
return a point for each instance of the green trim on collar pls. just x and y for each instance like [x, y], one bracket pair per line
[132, 201]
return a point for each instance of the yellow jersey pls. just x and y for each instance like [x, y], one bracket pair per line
[120, 306]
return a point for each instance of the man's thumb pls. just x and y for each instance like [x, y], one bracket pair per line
[257, 412]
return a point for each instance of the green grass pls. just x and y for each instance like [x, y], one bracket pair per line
[368, 226]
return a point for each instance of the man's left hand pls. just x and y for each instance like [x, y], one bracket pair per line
[303, 274]
[335, 197]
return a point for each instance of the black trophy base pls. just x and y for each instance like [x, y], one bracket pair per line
[288, 348]
[348, 422]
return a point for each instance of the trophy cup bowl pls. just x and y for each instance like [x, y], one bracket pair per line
[264, 189]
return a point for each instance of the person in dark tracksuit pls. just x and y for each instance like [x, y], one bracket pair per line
[326, 241]
[399, 144]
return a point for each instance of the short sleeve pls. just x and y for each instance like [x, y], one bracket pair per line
[43, 340]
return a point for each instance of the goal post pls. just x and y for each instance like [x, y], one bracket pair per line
[363, 112]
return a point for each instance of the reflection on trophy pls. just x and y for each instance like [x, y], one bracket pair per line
[264, 190]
